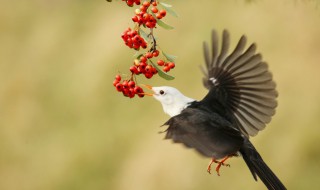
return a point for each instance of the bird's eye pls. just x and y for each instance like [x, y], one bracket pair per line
[161, 92]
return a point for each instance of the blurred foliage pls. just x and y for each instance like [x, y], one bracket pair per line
[63, 126]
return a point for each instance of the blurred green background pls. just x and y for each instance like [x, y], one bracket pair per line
[63, 126]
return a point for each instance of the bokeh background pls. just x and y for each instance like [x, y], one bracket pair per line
[63, 126]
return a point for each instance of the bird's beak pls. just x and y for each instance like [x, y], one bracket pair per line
[149, 87]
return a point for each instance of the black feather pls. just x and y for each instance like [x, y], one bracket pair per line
[258, 167]
[242, 83]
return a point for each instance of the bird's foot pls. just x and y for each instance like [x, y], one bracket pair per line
[220, 163]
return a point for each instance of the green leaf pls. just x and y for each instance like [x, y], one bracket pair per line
[165, 76]
[169, 9]
[169, 57]
[164, 25]
[143, 35]
[161, 73]
[165, 4]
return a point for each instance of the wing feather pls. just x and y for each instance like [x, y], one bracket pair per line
[241, 81]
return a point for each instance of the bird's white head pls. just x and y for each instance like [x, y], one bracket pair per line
[172, 100]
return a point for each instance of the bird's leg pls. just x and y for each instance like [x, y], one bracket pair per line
[209, 166]
[220, 163]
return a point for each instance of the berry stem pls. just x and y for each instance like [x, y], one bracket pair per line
[154, 42]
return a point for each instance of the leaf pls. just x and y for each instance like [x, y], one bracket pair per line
[161, 73]
[169, 9]
[143, 35]
[169, 57]
[164, 25]
[165, 4]
[164, 75]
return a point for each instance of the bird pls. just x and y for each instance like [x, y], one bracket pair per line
[241, 100]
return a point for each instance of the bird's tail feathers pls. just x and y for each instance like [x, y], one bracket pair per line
[259, 168]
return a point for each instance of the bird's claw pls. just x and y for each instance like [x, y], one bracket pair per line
[209, 168]
[219, 164]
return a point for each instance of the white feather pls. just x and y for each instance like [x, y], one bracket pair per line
[172, 100]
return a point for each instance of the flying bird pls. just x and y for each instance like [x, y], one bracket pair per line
[241, 100]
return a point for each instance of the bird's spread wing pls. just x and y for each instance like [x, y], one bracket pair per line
[210, 135]
[243, 81]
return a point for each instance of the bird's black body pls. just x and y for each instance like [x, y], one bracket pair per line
[214, 136]
[206, 131]
[240, 101]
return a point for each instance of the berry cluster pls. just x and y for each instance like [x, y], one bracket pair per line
[147, 16]
[142, 67]
[142, 16]
[127, 87]
[131, 2]
[133, 40]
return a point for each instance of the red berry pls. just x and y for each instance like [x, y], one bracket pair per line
[138, 90]
[144, 45]
[129, 40]
[149, 24]
[137, 2]
[118, 77]
[135, 19]
[159, 16]
[148, 68]
[143, 9]
[154, 71]
[163, 13]
[152, 20]
[134, 70]
[124, 36]
[125, 92]
[146, 17]
[149, 55]
[166, 69]
[148, 75]
[171, 65]
[146, 4]
[115, 82]
[134, 32]
[131, 84]
[143, 59]
[155, 53]
[136, 39]
[160, 62]
[141, 95]
[119, 87]
[131, 92]
[129, 33]
[142, 67]
[136, 46]
[154, 3]
[140, 20]
[130, 3]
[125, 84]
[154, 9]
